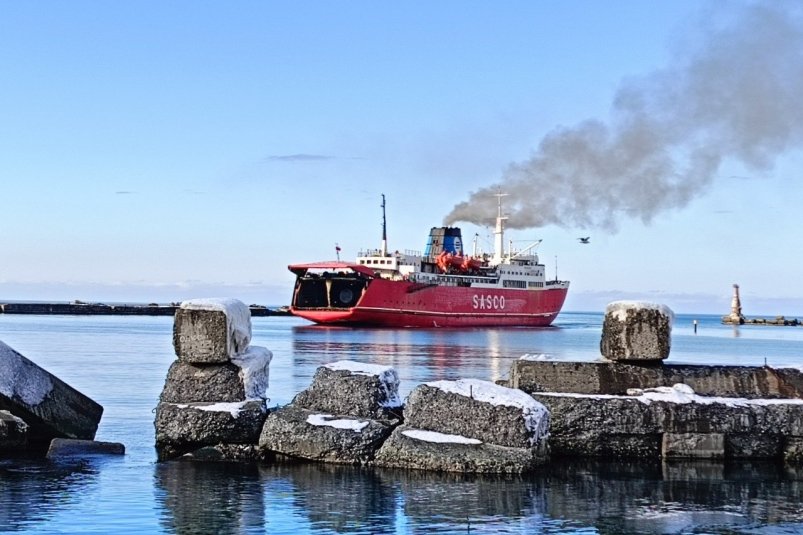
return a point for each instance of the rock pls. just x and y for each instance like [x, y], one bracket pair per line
[68, 447]
[186, 427]
[49, 406]
[635, 331]
[307, 434]
[211, 330]
[354, 389]
[468, 426]
[407, 447]
[13, 432]
[189, 383]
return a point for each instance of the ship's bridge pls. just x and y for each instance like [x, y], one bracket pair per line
[392, 265]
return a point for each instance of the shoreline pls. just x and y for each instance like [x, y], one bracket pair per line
[79, 308]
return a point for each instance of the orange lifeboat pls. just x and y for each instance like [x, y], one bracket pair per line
[448, 262]
[470, 264]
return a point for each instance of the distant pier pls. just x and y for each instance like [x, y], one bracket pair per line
[80, 308]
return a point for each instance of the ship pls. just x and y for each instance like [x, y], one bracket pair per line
[443, 287]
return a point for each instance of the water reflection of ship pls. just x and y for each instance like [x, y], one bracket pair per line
[443, 353]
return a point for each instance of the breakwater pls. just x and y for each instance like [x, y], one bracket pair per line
[629, 405]
[80, 308]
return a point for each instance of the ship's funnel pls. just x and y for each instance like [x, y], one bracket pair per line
[448, 239]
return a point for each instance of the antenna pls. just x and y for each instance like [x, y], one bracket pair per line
[384, 229]
[556, 268]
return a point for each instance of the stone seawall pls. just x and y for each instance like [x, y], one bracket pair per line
[102, 309]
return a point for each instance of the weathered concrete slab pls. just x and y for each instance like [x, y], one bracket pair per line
[49, 406]
[478, 409]
[189, 383]
[406, 449]
[181, 427]
[355, 389]
[793, 449]
[603, 377]
[227, 453]
[590, 425]
[307, 434]
[211, 330]
[633, 331]
[693, 445]
[13, 432]
[606, 445]
[70, 447]
[468, 425]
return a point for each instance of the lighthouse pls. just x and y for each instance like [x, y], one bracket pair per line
[736, 307]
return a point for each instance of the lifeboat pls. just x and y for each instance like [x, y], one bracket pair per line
[448, 262]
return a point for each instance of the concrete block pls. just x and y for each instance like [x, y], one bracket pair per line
[606, 445]
[754, 445]
[693, 445]
[339, 439]
[69, 447]
[793, 449]
[480, 410]
[190, 383]
[211, 330]
[354, 389]
[634, 331]
[50, 407]
[602, 377]
[184, 427]
[407, 449]
[13, 432]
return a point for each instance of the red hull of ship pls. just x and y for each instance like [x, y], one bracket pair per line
[388, 303]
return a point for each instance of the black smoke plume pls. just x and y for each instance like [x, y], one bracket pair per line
[738, 95]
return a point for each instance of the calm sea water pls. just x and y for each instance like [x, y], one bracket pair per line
[121, 362]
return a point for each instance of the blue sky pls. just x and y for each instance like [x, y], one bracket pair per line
[155, 151]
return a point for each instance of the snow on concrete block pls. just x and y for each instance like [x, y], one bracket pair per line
[636, 331]
[211, 330]
[480, 410]
[316, 436]
[254, 364]
[49, 406]
[184, 427]
[13, 432]
[355, 389]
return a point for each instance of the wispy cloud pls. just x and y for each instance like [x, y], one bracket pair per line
[301, 157]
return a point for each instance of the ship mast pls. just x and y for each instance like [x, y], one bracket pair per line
[499, 233]
[384, 250]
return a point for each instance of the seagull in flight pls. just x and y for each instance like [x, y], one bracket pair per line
[585, 240]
